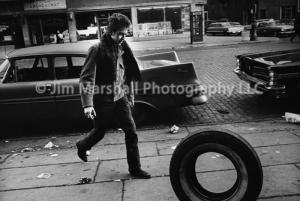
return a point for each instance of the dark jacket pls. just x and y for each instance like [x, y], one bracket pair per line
[100, 68]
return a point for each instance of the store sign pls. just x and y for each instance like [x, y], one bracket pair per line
[44, 4]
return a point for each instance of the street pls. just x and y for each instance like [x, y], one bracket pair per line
[256, 117]
[214, 66]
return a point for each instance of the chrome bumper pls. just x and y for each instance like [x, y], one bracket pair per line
[257, 83]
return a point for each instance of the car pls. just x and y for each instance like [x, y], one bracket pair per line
[275, 73]
[41, 83]
[224, 28]
[273, 28]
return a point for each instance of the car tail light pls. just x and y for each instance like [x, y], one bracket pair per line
[238, 63]
[272, 79]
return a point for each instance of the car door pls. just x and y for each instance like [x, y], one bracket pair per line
[27, 91]
[67, 97]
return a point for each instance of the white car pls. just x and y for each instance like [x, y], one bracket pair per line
[224, 28]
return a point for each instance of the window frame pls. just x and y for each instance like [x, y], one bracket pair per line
[12, 67]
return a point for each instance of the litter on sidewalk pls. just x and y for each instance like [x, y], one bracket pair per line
[174, 129]
[27, 149]
[85, 180]
[44, 176]
[291, 117]
[50, 145]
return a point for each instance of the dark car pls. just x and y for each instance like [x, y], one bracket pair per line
[276, 73]
[272, 28]
[40, 83]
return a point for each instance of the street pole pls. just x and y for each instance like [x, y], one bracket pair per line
[253, 36]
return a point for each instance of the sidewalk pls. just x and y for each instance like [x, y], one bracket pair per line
[276, 142]
[173, 42]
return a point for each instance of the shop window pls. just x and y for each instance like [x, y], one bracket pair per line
[262, 14]
[288, 12]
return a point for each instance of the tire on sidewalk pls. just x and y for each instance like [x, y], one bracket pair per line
[183, 177]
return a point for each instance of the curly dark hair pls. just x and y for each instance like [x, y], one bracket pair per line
[117, 22]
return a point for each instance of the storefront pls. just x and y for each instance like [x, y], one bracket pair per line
[149, 19]
[10, 24]
[45, 19]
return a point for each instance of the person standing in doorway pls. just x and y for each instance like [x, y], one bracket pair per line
[111, 67]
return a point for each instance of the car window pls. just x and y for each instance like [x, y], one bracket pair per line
[3, 68]
[68, 67]
[28, 70]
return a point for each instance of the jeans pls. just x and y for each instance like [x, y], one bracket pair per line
[120, 112]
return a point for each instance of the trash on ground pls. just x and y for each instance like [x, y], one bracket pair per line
[174, 147]
[277, 152]
[44, 176]
[117, 180]
[85, 180]
[174, 129]
[27, 149]
[54, 155]
[49, 145]
[88, 153]
[6, 141]
[291, 117]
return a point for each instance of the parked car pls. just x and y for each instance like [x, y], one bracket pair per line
[276, 73]
[224, 28]
[41, 83]
[274, 28]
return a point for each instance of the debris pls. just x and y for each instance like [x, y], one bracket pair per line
[14, 155]
[85, 180]
[277, 152]
[49, 145]
[291, 117]
[88, 153]
[174, 147]
[6, 141]
[213, 157]
[119, 129]
[174, 129]
[222, 111]
[54, 155]
[44, 176]
[53, 137]
[27, 149]
[118, 180]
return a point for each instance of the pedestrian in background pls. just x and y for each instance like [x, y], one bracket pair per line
[59, 37]
[296, 27]
[110, 64]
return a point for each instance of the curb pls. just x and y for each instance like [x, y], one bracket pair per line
[202, 45]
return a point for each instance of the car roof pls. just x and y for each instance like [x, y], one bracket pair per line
[66, 48]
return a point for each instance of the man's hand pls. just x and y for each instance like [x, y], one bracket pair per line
[90, 112]
[131, 100]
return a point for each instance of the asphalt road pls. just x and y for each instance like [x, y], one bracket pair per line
[230, 99]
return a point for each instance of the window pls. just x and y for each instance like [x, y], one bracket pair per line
[28, 70]
[288, 12]
[68, 67]
[262, 14]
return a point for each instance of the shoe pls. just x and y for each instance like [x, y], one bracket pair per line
[81, 153]
[140, 174]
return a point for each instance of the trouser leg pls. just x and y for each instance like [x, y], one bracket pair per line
[126, 122]
[101, 122]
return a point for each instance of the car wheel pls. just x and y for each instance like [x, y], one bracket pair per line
[139, 113]
[183, 174]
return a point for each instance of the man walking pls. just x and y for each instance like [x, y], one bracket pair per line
[110, 68]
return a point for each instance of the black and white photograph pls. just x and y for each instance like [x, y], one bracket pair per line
[138, 100]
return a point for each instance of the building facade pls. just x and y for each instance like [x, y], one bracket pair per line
[278, 9]
[37, 22]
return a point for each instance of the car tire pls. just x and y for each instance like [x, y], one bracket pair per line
[182, 167]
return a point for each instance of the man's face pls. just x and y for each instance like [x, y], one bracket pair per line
[119, 36]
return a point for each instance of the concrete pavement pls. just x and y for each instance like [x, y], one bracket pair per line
[276, 142]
